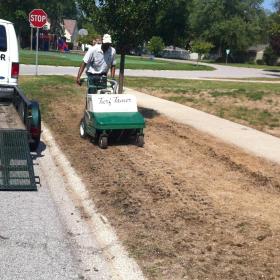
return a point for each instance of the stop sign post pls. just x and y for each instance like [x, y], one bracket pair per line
[37, 18]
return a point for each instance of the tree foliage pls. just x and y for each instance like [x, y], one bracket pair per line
[130, 22]
[58, 10]
[92, 34]
[277, 5]
[17, 11]
[155, 45]
[230, 24]
[274, 37]
[269, 56]
[274, 29]
[201, 47]
[172, 22]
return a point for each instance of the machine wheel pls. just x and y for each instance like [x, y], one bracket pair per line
[140, 140]
[103, 141]
[83, 133]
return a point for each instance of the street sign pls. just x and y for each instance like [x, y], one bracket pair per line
[227, 52]
[38, 18]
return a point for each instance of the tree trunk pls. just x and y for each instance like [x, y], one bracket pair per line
[121, 74]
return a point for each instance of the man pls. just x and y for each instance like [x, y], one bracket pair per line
[98, 60]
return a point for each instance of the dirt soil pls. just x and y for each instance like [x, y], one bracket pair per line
[186, 206]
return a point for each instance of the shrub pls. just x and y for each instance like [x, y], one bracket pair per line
[155, 45]
[269, 56]
[260, 62]
[202, 47]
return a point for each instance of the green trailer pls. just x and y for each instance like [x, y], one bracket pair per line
[20, 131]
[110, 115]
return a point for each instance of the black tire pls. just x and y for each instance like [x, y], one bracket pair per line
[103, 141]
[34, 145]
[140, 141]
[83, 133]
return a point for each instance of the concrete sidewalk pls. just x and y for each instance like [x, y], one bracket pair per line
[249, 139]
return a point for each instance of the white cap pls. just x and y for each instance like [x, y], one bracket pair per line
[107, 39]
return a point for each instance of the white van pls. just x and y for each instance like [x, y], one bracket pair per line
[9, 59]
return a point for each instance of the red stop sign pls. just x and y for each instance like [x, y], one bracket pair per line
[38, 18]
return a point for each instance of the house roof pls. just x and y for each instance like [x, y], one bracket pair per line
[258, 48]
[70, 25]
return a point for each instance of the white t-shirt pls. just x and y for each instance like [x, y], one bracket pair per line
[99, 62]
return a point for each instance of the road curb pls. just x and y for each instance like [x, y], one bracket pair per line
[98, 230]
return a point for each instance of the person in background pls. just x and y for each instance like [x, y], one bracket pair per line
[96, 40]
[97, 61]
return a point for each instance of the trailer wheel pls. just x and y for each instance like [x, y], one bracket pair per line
[103, 141]
[35, 144]
[35, 126]
[140, 140]
[83, 133]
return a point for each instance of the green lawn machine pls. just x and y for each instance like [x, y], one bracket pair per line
[110, 116]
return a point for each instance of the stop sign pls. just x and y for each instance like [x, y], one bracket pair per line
[38, 18]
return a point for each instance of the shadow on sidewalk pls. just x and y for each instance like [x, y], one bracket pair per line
[148, 113]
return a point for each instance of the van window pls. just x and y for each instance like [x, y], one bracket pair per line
[3, 39]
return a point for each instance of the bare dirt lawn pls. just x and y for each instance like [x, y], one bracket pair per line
[186, 206]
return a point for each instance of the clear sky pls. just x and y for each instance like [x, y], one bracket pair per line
[268, 4]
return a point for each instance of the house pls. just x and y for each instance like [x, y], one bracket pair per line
[256, 52]
[71, 30]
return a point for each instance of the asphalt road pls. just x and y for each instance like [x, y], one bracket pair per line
[221, 72]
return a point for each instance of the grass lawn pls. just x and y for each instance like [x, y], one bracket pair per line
[132, 62]
[48, 89]
[251, 104]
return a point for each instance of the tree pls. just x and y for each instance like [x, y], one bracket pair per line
[155, 45]
[92, 34]
[172, 22]
[269, 56]
[274, 37]
[274, 29]
[230, 24]
[129, 22]
[17, 11]
[277, 5]
[201, 47]
[58, 10]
